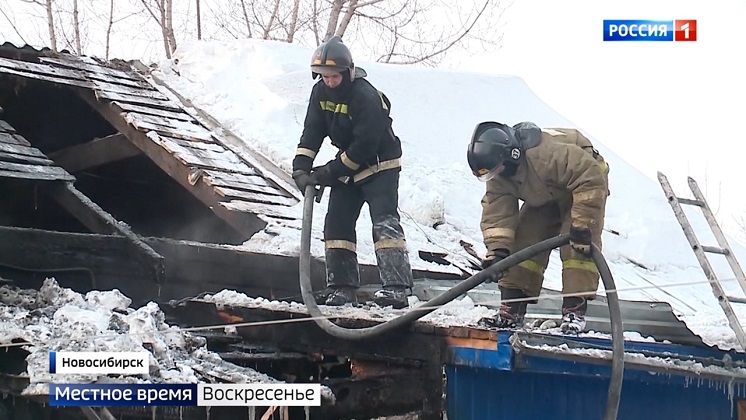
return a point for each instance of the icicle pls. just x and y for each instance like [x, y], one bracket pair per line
[181, 413]
[207, 412]
[307, 409]
[251, 412]
[152, 410]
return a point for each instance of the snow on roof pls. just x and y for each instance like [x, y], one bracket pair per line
[260, 89]
[59, 319]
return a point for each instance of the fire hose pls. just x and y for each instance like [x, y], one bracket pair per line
[617, 363]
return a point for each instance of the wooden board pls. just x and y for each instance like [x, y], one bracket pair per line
[4, 126]
[135, 99]
[18, 149]
[223, 161]
[221, 182]
[87, 65]
[181, 116]
[95, 153]
[255, 197]
[255, 208]
[177, 125]
[13, 139]
[28, 171]
[43, 71]
[11, 157]
[218, 178]
[201, 145]
[198, 135]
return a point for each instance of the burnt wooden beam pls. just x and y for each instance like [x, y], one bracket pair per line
[245, 223]
[99, 221]
[96, 152]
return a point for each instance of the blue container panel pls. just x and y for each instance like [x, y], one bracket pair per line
[475, 393]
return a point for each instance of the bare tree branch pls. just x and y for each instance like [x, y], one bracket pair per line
[246, 17]
[272, 19]
[13, 25]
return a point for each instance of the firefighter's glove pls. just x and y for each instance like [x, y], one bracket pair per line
[580, 240]
[492, 258]
[322, 176]
[301, 179]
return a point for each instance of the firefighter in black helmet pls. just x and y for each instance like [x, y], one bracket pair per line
[345, 107]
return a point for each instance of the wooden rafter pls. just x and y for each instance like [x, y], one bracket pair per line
[95, 153]
[99, 221]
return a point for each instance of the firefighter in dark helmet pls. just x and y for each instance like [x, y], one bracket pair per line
[563, 182]
[345, 107]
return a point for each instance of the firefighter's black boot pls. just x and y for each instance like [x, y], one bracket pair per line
[512, 310]
[342, 276]
[396, 276]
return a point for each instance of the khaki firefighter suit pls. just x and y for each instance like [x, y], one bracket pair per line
[562, 180]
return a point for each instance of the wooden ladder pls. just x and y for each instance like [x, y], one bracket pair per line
[701, 251]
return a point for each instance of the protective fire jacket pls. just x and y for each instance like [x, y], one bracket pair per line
[358, 125]
[556, 164]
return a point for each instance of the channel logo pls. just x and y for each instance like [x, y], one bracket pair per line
[650, 30]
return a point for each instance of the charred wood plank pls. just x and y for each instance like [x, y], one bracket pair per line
[4, 126]
[245, 223]
[205, 159]
[11, 157]
[184, 133]
[181, 116]
[21, 150]
[374, 397]
[135, 99]
[99, 221]
[303, 335]
[90, 66]
[95, 153]
[266, 209]
[200, 145]
[13, 138]
[257, 197]
[27, 171]
[217, 178]
[232, 185]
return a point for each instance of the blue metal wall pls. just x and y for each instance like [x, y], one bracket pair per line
[479, 393]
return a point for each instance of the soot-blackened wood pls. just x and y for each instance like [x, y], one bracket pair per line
[30, 171]
[303, 335]
[99, 221]
[95, 153]
[14, 158]
[12, 138]
[245, 223]
[374, 397]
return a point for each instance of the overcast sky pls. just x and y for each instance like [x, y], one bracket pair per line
[674, 107]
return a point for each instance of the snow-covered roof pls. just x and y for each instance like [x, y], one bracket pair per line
[259, 90]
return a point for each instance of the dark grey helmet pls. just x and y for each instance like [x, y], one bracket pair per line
[332, 55]
[492, 144]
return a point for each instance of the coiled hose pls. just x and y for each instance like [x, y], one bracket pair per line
[617, 364]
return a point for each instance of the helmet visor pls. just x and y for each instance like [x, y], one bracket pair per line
[489, 175]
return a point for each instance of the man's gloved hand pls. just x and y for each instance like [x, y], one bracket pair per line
[322, 176]
[301, 179]
[580, 240]
[492, 258]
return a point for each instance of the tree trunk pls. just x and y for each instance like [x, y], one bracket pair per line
[108, 28]
[331, 26]
[199, 22]
[347, 18]
[50, 23]
[293, 21]
[169, 6]
[272, 18]
[76, 25]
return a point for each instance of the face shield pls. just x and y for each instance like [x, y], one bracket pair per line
[485, 175]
